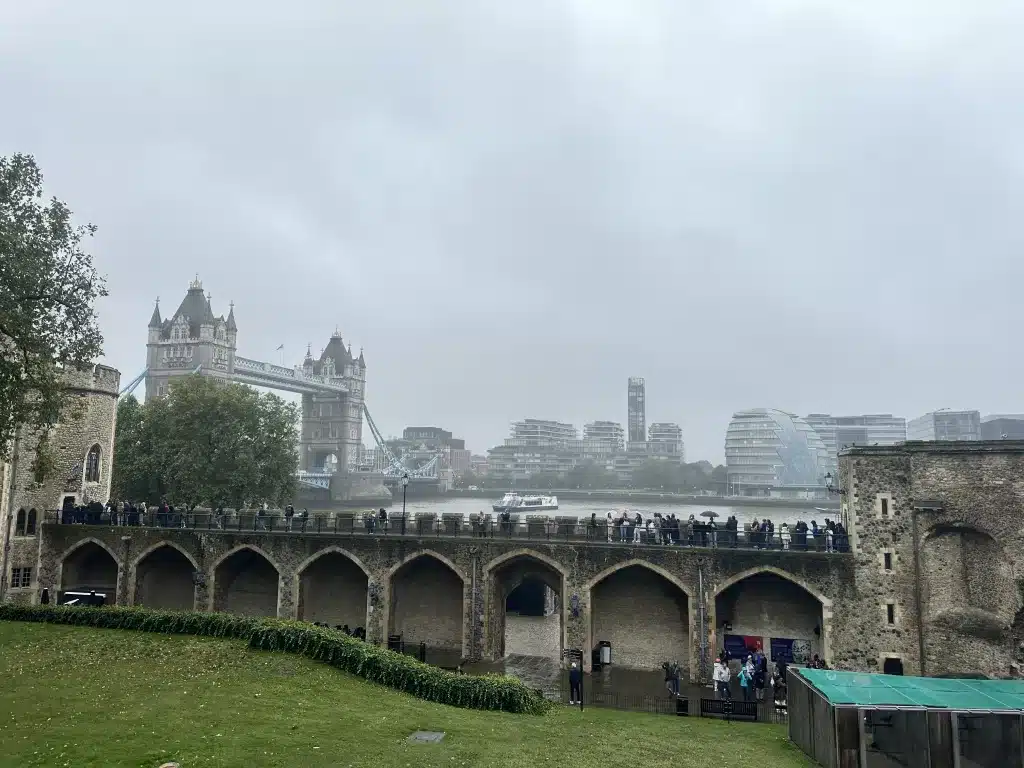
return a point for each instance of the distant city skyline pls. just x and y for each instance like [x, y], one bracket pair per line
[514, 235]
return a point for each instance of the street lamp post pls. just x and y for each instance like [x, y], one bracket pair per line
[405, 486]
[830, 488]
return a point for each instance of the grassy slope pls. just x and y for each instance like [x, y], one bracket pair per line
[81, 697]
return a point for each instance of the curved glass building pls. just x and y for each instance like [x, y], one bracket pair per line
[767, 449]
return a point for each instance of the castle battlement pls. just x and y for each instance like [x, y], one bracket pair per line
[99, 378]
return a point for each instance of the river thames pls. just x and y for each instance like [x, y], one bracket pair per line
[585, 508]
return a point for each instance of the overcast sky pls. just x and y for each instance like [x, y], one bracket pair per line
[516, 206]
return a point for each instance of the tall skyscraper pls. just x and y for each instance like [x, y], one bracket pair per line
[637, 414]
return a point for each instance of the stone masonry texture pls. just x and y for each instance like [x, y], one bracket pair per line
[90, 422]
[933, 577]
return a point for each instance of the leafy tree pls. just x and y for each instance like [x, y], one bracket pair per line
[207, 442]
[591, 476]
[48, 286]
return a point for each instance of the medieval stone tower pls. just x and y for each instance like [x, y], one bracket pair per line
[332, 422]
[190, 339]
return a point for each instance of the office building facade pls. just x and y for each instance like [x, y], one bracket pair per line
[838, 432]
[605, 432]
[945, 425]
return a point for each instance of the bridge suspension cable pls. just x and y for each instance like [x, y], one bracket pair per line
[134, 383]
[391, 465]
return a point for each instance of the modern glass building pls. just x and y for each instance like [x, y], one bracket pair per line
[768, 450]
[945, 425]
[838, 432]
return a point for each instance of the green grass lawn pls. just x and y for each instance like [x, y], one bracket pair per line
[76, 697]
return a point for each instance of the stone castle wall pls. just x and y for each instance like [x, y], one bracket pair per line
[951, 520]
[446, 592]
[90, 422]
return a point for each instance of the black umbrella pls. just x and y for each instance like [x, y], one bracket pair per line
[710, 514]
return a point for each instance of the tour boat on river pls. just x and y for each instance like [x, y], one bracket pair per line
[513, 502]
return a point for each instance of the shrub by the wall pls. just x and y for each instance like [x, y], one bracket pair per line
[376, 664]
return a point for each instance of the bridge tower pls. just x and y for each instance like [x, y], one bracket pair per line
[332, 422]
[190, 338]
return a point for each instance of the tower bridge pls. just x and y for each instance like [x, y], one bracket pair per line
[194, 341]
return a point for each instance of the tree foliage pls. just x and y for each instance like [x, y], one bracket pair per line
[48, 286]
[206, 443]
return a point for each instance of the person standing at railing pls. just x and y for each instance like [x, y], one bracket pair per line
[289, 513]
[383, 520]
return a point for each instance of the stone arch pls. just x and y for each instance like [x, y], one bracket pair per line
[788, 620]
[154, 547]
[736, 578]
[98, 576]
[426, 553]
[645, 623]
[332, 596]
[236, 549]
[90, 540]
[643, 564]
[249, 591]
[162, 577]
[423, 613]
[501, 583]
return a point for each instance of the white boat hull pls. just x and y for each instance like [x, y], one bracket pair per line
[523, 508]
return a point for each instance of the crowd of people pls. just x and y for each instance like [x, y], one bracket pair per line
[754, 677]
[631, 527]
[622, 527]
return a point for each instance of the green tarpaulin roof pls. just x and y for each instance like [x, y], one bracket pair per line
[863, 690]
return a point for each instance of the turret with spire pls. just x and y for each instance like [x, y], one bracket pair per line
[193, 337]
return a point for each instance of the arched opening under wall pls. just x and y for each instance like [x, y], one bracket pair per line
[526, 620]
[426, 606]
[769, 609]
[164, 580]
[644, 616]
[333, 589]
[87, 568]
[246, 583]
[331, 463]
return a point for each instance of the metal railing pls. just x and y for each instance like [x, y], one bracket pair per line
[734, 710]
[427, 526]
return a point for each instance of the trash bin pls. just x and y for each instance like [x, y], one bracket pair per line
[682, 707]
[395, 643]
[423, 653]
[606, 652]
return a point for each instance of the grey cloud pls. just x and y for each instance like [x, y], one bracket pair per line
[513, 207]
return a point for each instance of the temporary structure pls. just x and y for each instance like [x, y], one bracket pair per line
[855, 720]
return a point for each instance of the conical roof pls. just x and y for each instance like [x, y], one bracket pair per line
[195, 308]
[155, 321]
[335, 350]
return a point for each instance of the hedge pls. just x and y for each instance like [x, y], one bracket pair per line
[376, 664]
